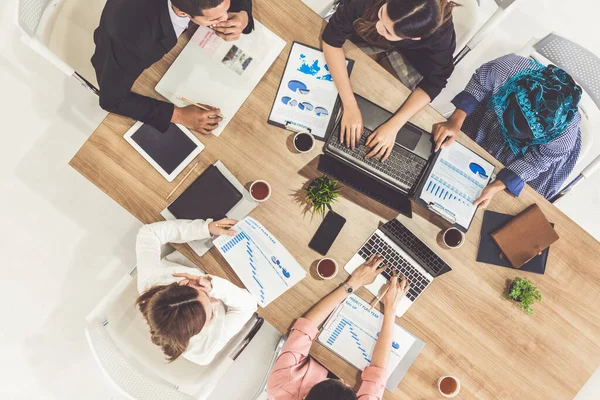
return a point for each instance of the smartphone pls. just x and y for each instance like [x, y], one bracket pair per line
[327, 232]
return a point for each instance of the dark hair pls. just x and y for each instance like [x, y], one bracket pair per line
[331, 389]
[412, 18]
[174, 315]
[194, 8]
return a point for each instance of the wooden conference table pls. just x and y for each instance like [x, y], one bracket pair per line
[470, 329]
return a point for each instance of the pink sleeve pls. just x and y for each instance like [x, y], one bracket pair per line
[373, 384]
[294, 352]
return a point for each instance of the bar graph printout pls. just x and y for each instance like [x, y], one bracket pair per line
[265, 267]
[352, 331]
[457, 179]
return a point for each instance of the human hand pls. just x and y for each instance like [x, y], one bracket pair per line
[444, 133]
[232, 28]
[203, 283]
[197, 119]
[352, 126]
[222, 227]
[381, 142]
[366, 273]
[396, 290]
[488, 193]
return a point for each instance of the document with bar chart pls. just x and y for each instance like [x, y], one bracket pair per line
[265, 267]
[352, 331]
[455, 181]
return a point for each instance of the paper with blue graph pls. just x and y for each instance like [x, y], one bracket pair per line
[265, 267]
[456, 180]
[352, 331]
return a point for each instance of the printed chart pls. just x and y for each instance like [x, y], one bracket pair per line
[456, 181]
[307, 95]
[352, 331]
[265, 267]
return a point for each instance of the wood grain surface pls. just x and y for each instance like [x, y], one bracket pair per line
[470, 329]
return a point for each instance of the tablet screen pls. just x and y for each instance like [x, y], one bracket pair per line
[167, 149]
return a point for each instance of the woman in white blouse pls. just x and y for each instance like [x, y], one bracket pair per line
[190, 314]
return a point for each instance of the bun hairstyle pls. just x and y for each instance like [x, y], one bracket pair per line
[412, 18]
[174, 315]
[331, 389]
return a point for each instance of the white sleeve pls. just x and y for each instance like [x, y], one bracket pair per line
[241, 305]
[151, 237]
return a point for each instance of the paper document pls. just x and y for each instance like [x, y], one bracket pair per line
[307, 94]
[352, 331]
[218, 73]
[457, 179]
[265, 267]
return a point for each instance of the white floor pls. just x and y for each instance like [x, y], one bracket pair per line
[66, 242]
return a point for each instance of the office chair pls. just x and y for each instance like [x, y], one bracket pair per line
[61, 31]
[504, 7]
[584, 67]
[119, 339]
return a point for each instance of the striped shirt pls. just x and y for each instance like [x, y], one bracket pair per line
[543, 167]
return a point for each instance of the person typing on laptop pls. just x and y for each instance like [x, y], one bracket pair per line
[134, 34]
[189, 314]
[297, 376]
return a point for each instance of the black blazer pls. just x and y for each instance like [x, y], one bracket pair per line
[133, 35]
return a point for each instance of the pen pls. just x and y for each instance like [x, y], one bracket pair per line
[200, 106]
[183, 180]
[378, 299]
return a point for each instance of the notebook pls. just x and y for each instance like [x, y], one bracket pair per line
[211, 195]
[489, 252]
[351, 332]
[525, 236]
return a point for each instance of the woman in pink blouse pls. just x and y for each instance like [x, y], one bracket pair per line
[297, 376]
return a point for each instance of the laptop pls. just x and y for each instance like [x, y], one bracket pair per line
[406, 254]
[407, 162]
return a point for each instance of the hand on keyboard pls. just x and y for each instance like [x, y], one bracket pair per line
[351, 128]
[396, 290]
[366, 273]
[381, 142]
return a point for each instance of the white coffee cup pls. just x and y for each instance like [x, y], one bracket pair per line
[308, 135]
[335, 264]
[455, 392]
[450, 237]
[253, 187]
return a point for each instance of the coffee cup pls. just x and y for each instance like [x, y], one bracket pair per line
[260, 190]
[453, 238]
[304, 142]
[327, 268]
[449, 386]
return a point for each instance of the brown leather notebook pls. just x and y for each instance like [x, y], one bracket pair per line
[525, 236]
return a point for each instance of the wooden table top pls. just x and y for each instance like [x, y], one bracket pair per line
[471, 330]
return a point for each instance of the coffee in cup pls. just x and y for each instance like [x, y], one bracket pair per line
[449, 386]
[453, 238]
[327, 268]
[304, 142]
[260, 190]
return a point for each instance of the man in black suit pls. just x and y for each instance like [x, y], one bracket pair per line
[134, 34]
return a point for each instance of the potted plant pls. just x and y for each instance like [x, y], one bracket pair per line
[321, 193]
[525, 293]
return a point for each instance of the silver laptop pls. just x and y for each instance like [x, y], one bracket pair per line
[406, 254]
[408, 160]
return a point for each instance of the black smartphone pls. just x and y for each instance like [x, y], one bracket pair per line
[327, 232]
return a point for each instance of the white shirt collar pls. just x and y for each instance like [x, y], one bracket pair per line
[180, 24]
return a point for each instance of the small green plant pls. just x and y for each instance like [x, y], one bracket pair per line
[321, 193]
[525, 293]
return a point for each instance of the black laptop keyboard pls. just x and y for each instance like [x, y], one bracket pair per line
[376, 245]
[418, 250]
[402, 165]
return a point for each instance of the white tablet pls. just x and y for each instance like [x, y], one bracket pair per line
[170, 152]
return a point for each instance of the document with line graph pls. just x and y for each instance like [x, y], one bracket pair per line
[265, 267]
[456, 180]
[352, 331]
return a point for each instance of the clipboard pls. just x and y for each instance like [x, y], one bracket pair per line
[296, 125]
[453, 217]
